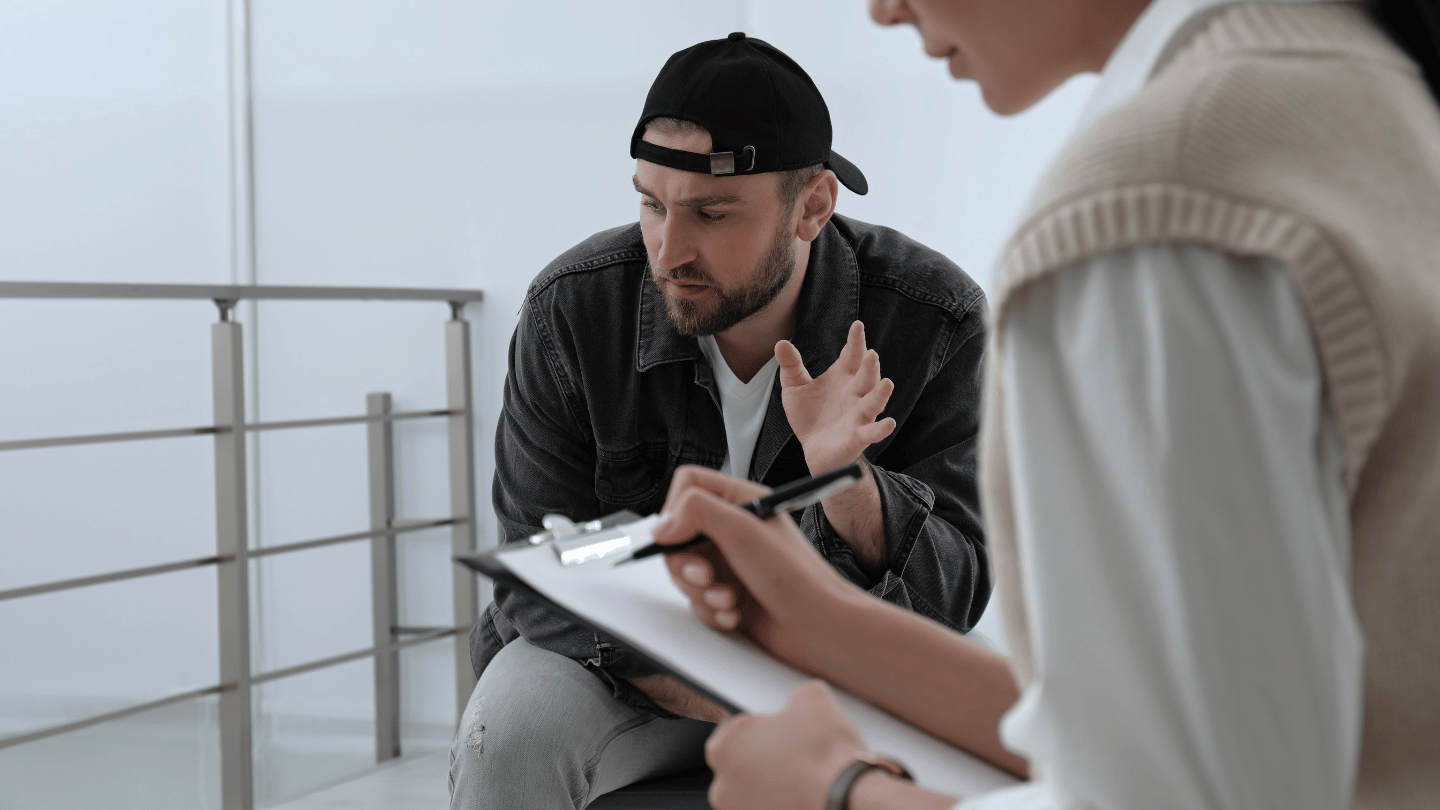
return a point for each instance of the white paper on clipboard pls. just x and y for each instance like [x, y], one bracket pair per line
[638, 604]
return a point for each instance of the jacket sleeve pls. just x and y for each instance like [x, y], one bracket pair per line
[926, 474]
[544, 463]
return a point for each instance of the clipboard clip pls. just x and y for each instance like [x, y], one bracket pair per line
[612, 538]
[559, 527]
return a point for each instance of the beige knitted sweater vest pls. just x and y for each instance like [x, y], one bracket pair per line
[1297, 133]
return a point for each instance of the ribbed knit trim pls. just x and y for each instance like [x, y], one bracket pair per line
[1348, 338]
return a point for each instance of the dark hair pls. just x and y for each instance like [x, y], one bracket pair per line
[1415, 27]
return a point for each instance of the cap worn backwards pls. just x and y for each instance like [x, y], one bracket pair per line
[763, 112]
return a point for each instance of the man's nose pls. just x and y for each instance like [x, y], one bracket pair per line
[676, 246]
[890, 12]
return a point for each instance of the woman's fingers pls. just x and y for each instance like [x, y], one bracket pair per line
[689, 571]
[712, 601]
[732, 490]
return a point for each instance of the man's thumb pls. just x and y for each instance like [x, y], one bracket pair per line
[792, 366]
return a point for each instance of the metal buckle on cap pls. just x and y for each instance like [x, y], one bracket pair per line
[724, 162]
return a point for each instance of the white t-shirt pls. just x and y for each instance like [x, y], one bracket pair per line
[742, 405]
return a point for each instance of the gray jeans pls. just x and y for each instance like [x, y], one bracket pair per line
[541, 732]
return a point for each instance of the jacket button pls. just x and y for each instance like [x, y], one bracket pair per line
[604, 487]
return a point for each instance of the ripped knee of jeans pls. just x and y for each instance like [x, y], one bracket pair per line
[474, 729]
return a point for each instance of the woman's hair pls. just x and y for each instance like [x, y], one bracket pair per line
[1415, 27]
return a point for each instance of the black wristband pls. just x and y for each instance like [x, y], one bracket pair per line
[839, 795]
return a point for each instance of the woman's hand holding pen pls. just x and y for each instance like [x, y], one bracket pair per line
[764, 579]
[761, 577]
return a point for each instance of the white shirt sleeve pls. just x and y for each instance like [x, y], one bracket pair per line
[1183, 542]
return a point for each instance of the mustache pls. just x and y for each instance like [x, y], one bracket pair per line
[688, 273]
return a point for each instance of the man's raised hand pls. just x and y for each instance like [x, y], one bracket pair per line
[833, 415]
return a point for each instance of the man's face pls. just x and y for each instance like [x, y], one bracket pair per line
[720, 249]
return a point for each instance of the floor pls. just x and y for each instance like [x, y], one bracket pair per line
[409, 784]
[421, 784]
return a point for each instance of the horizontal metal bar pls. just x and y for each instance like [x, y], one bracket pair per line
[153, 570]
[114, 576]
[260, 292]
[407, 526]
[414, 631]
[40, 734]
[102, 438]
[343, 420]
[336, 660]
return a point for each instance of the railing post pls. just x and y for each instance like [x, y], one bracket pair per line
[462, 493]
[384, 597]
[237, 784]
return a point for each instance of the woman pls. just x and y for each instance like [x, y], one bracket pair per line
[1212, 419]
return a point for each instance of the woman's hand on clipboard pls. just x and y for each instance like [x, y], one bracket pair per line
[759, 577]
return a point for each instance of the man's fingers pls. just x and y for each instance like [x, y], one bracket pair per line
[854, 351]
[870, 367]
[874, 402]
[876, 431]
[792, 365]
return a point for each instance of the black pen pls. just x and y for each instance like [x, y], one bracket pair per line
[797, 494]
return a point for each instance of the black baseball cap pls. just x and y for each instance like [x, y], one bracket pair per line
[763, 112]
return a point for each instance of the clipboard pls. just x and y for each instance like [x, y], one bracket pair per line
[638, 606]
[488, 564]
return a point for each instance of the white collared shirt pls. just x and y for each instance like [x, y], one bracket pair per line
[1181, 523]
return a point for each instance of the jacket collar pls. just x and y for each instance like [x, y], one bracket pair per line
[829, 301]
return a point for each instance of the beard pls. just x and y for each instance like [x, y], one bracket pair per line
[694, 318]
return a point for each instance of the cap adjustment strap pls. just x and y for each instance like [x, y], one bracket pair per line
[716, 163]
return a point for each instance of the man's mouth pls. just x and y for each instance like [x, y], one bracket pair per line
[684, 289]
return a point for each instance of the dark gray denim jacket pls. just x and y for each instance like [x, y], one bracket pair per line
[604, 399]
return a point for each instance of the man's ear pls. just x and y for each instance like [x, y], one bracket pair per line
[817, 204]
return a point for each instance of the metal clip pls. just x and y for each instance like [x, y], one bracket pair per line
[724, 162]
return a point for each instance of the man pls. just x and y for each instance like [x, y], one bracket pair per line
[658, 344]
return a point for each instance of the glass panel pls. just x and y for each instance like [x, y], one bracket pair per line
[314, 730]
[74, 654]
[166, 759]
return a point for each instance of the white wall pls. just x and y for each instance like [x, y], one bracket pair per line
[448, 143]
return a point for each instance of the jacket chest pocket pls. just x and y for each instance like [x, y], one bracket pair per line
[631, 479]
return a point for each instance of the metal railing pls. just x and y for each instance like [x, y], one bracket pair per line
[232, 550]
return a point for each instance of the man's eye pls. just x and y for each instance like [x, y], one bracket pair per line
[653, 206]
[709, 217]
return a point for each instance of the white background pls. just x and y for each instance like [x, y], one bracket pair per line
[443, 143]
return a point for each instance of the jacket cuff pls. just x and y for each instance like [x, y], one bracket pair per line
[616, 666]
[905, 505]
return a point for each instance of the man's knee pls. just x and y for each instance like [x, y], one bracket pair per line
[532, 727]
